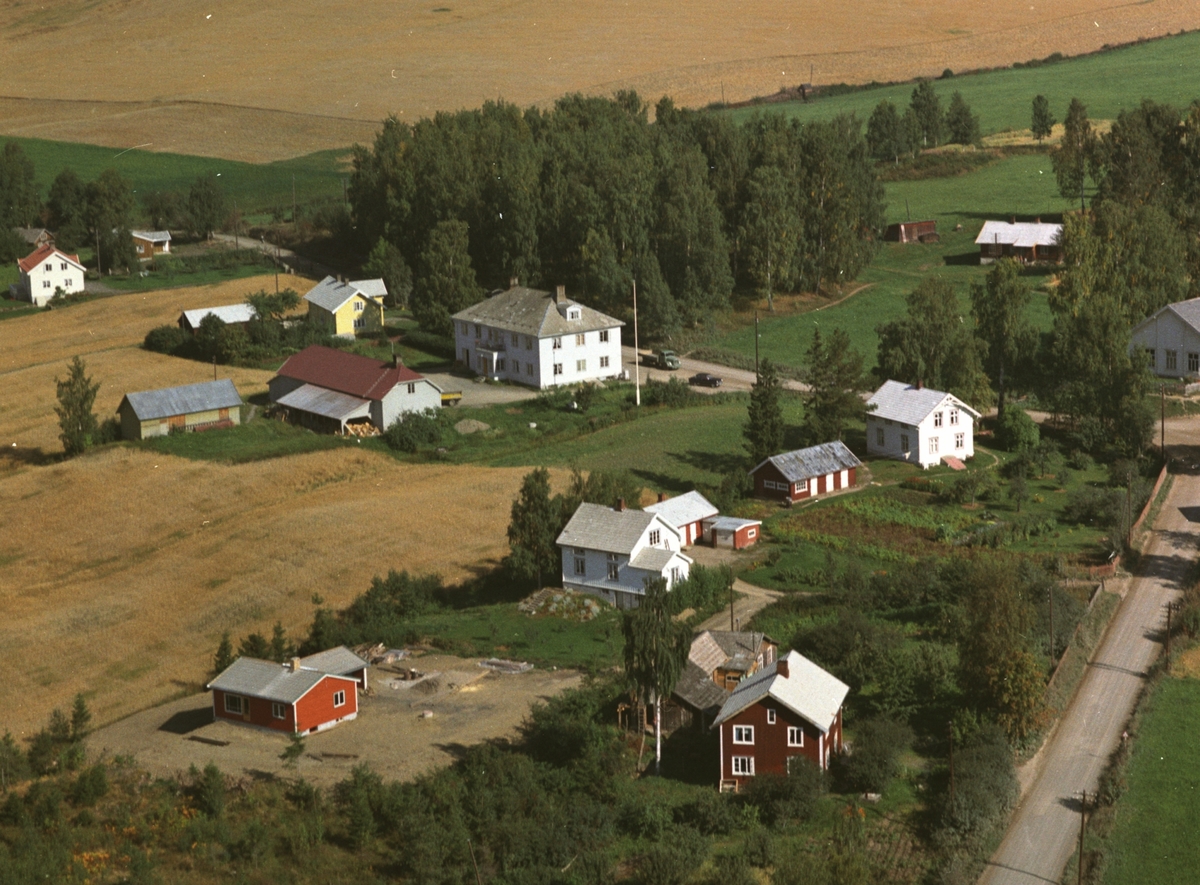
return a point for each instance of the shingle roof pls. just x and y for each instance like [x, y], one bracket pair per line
[338, 661]
[906, 404]
[595, 527]
[684, 509]
[706, 653]
[808, 691]
[154, 236]
[534, 312]
[32, 234]
[346, 372]
[226, 313]
[821, 460]
[739, 642]
[696, 689]
[331, 294]
[266, 679]
[655, 559]
[325, 402]
[33, 259]
[1187, 311]
[1023, 234]
[170, 401]
[376, 288]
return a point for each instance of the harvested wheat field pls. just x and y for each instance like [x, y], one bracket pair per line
[413, 59]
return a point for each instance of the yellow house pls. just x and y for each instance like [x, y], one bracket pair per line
[347, 309]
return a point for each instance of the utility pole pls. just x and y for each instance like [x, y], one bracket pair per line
[1129, 512]
[731, 626]
[99, 272]
[1082, 830]
[756, 346]
[1162, 421]
[1170, 608]
[1051, 594]
[214, 367]
[951, 763]
[237, 223]
[293, 199]
[478, 881]
[637, 356]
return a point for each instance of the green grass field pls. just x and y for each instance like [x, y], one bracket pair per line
[1153, 837]
[1166, 70]
[258, 187]
[255, 441]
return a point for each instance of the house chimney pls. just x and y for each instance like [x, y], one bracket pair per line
[294, 665]
[620, 505]
[662, 496]
[781, 668]
[920, 384]
[1037, 220]
[560, 294]
[512, 282]
[1012, 219]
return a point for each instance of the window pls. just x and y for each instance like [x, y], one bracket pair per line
[879, 436]
[1194, 362]
[45, 284]
[573, 313]
[743, 765]
[412, 387]
[529, 369]
[904, 442]
[359, 323]
[516, 339]
[795, 737]
[517, 367]
[1172, 356]
[1150, 356]
[954, 416]
[743, 734]
[528, 343]
[580, 340]
[676, 576]
[580, 365]
[580, 564]
[558, 368]
[278, 710]
[140, 248]
[234, 704]
[613, 566]
[937, 419]
[604, 336]
[63, 266]
[500, 365]
[49, 266]
[358, 306]
[339, 699]
[888, 421]
[66, 284]
[933, 445]
[960, 440]
[770, 716]
[462, 327]
[556, 344]
[466, 355]
[478, 331]
[604, 362]
[579, 551]
[752, 533]
[655, 537]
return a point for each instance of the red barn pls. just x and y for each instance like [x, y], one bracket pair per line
[806, 473]
[287, 697]
[788, 709]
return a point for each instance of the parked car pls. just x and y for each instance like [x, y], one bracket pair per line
[704, 379]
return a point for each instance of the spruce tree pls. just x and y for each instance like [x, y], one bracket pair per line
[835, 380]
[764, 421]
[76, 396]
[534, 527]
[224, 656]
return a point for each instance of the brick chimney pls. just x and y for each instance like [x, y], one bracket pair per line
[781, 668]
[1012, 219]
[662, 496]
[294, 665]
[1037, 220]
[620, 508]
[920, 384]
[560, 294]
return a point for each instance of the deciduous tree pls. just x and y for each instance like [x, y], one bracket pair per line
[1075, 152]
[770, 232]
[928, 110]
[205, 205]
[447, 282]
[387, 263]
[962, 125]
[885, 133]
[76, 420]
[1000, 306]
[19, 201]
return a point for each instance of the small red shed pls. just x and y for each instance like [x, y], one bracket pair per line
[912, 232]
[729, 531]
[806, 473]
[789, 709]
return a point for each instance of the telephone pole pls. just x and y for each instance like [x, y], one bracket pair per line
[1082, 830]
[952, 764]
[637, 356]
[756, 346]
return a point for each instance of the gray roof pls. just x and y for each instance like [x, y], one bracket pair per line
[728, 523]
[684, 509]
[338, 661]
[706, 653]
[696, 689]
[654, 559]
[1022, 234]
[32, 234]
[154, 236]
[226, 313]
[595, 527]
[171, 401]
[266, 679]
[376, 288]
[534, 312]
[821, 460]
[740, 648]
[1187, 311]
[331, 295]
[906, 404]
[325, 402]
[810, 692]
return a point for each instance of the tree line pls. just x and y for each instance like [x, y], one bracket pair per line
[892, 134]
[591, 195]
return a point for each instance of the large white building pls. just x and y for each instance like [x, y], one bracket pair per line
[1170, 339]
[538, 338]
[919, 425]
[45, 273]
[612, 552]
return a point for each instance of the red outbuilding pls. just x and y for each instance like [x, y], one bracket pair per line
[294, 697]
[788, 709]
[806, 473]
[730, 531]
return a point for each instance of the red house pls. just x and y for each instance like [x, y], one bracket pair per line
[788, 709]
[290, 697]
[806, 473]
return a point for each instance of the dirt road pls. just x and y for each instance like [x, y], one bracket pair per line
[731, 379]
[1045, 827]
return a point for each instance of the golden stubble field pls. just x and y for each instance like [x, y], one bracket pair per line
[119, 570]
[334, 68]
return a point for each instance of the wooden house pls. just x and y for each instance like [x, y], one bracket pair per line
[687, 513]
[192, 407]
[148, 243]
[1170, 340]
[717, 662]
[806, 473]
[1027, 241]
[920, 425]
[347, 309]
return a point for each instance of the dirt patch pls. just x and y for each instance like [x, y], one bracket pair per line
[470, 425]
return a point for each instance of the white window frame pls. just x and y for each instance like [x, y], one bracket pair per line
[580, 566]
[516, 339]
[580, 339]
[933, 445]
[339, 698]
[793, 731]
[960, 440]
[880, 439]
[1172, 360]
[655, 537]
[953, 416]
[529, 368]
[235, 703]
[558, 368]
[770, 715]
[937, 419]
[751, 533]
[742, 766]
[904, 442]
[580, 365]
[358, 306]
[412, 387]
[556, 344]
[604, 362]
[743, 735]
[1194, 362]
[604, 336]
[278, 710]
[360, 322]
[614, 567]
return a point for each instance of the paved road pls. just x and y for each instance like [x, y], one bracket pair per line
[1045, 827]
[731, 379]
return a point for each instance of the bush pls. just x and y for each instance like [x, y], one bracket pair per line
[1016, 431]
[731, 869]
[89, 787]
[436, 345]
[781, 799]
[674, 393]
[759, 848]
[985, 785]
[711, 813]
[207, 790]
[167, 339]
[875, 755]
[412, 430]
[674, 859]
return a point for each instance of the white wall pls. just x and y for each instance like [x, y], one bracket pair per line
[629, 579]
[398, 401]
[543, 355]
[1168, 333]
[918, 450]
[39, 284]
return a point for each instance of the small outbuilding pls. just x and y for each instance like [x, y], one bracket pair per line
[912, 232]
[732, 532]
[1027, 241]
[148, 243]
[35, 237]
[806, 473]
[229, 314]
[687, 513]
[192, 407]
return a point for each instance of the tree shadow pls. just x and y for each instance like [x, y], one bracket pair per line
[723, 463]
[962, 259]
[187, 721]
[689, 756]
[663, 481]
[27, 456]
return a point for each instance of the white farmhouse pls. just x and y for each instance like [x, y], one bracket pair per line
[1170, 339]
[537, 338]
[46, 272]
[919, 425]
[612, 552]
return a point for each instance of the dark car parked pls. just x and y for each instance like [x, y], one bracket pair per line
[704, 379]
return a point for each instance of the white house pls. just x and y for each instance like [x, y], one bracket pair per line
[611, 552]
[687, 513]
[919, 425]
[1027, 241]
[537, 338]
[46, 272]
[1170, 339]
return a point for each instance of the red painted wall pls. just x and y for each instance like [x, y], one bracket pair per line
[316, 708]
[259, 712]
[770, 749]
[742, 539]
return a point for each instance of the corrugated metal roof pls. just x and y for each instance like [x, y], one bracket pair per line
[728, 523]
[154, 236]
[595, 527]
[325, 402]
[33, 259]
[808, 691]
[331, 294]
[897, 401]
[821, 460]
[696, 689]
[346, 372]
[684, 509]
[226, 313]
[338, 661]
[171, 401]
[1024, 234]
[266, 679]
[534, 312]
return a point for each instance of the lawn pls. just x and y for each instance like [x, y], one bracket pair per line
[255, 441]
[1020, 185]
[1153, 839]
[155, 280]
[1165, 70]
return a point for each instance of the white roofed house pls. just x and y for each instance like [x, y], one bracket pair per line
[148, 243]
[1170, 339]
[612, 552]
[687, 513]
[537, 338]
[1027, 241]
[919, 425]
[229, 314]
